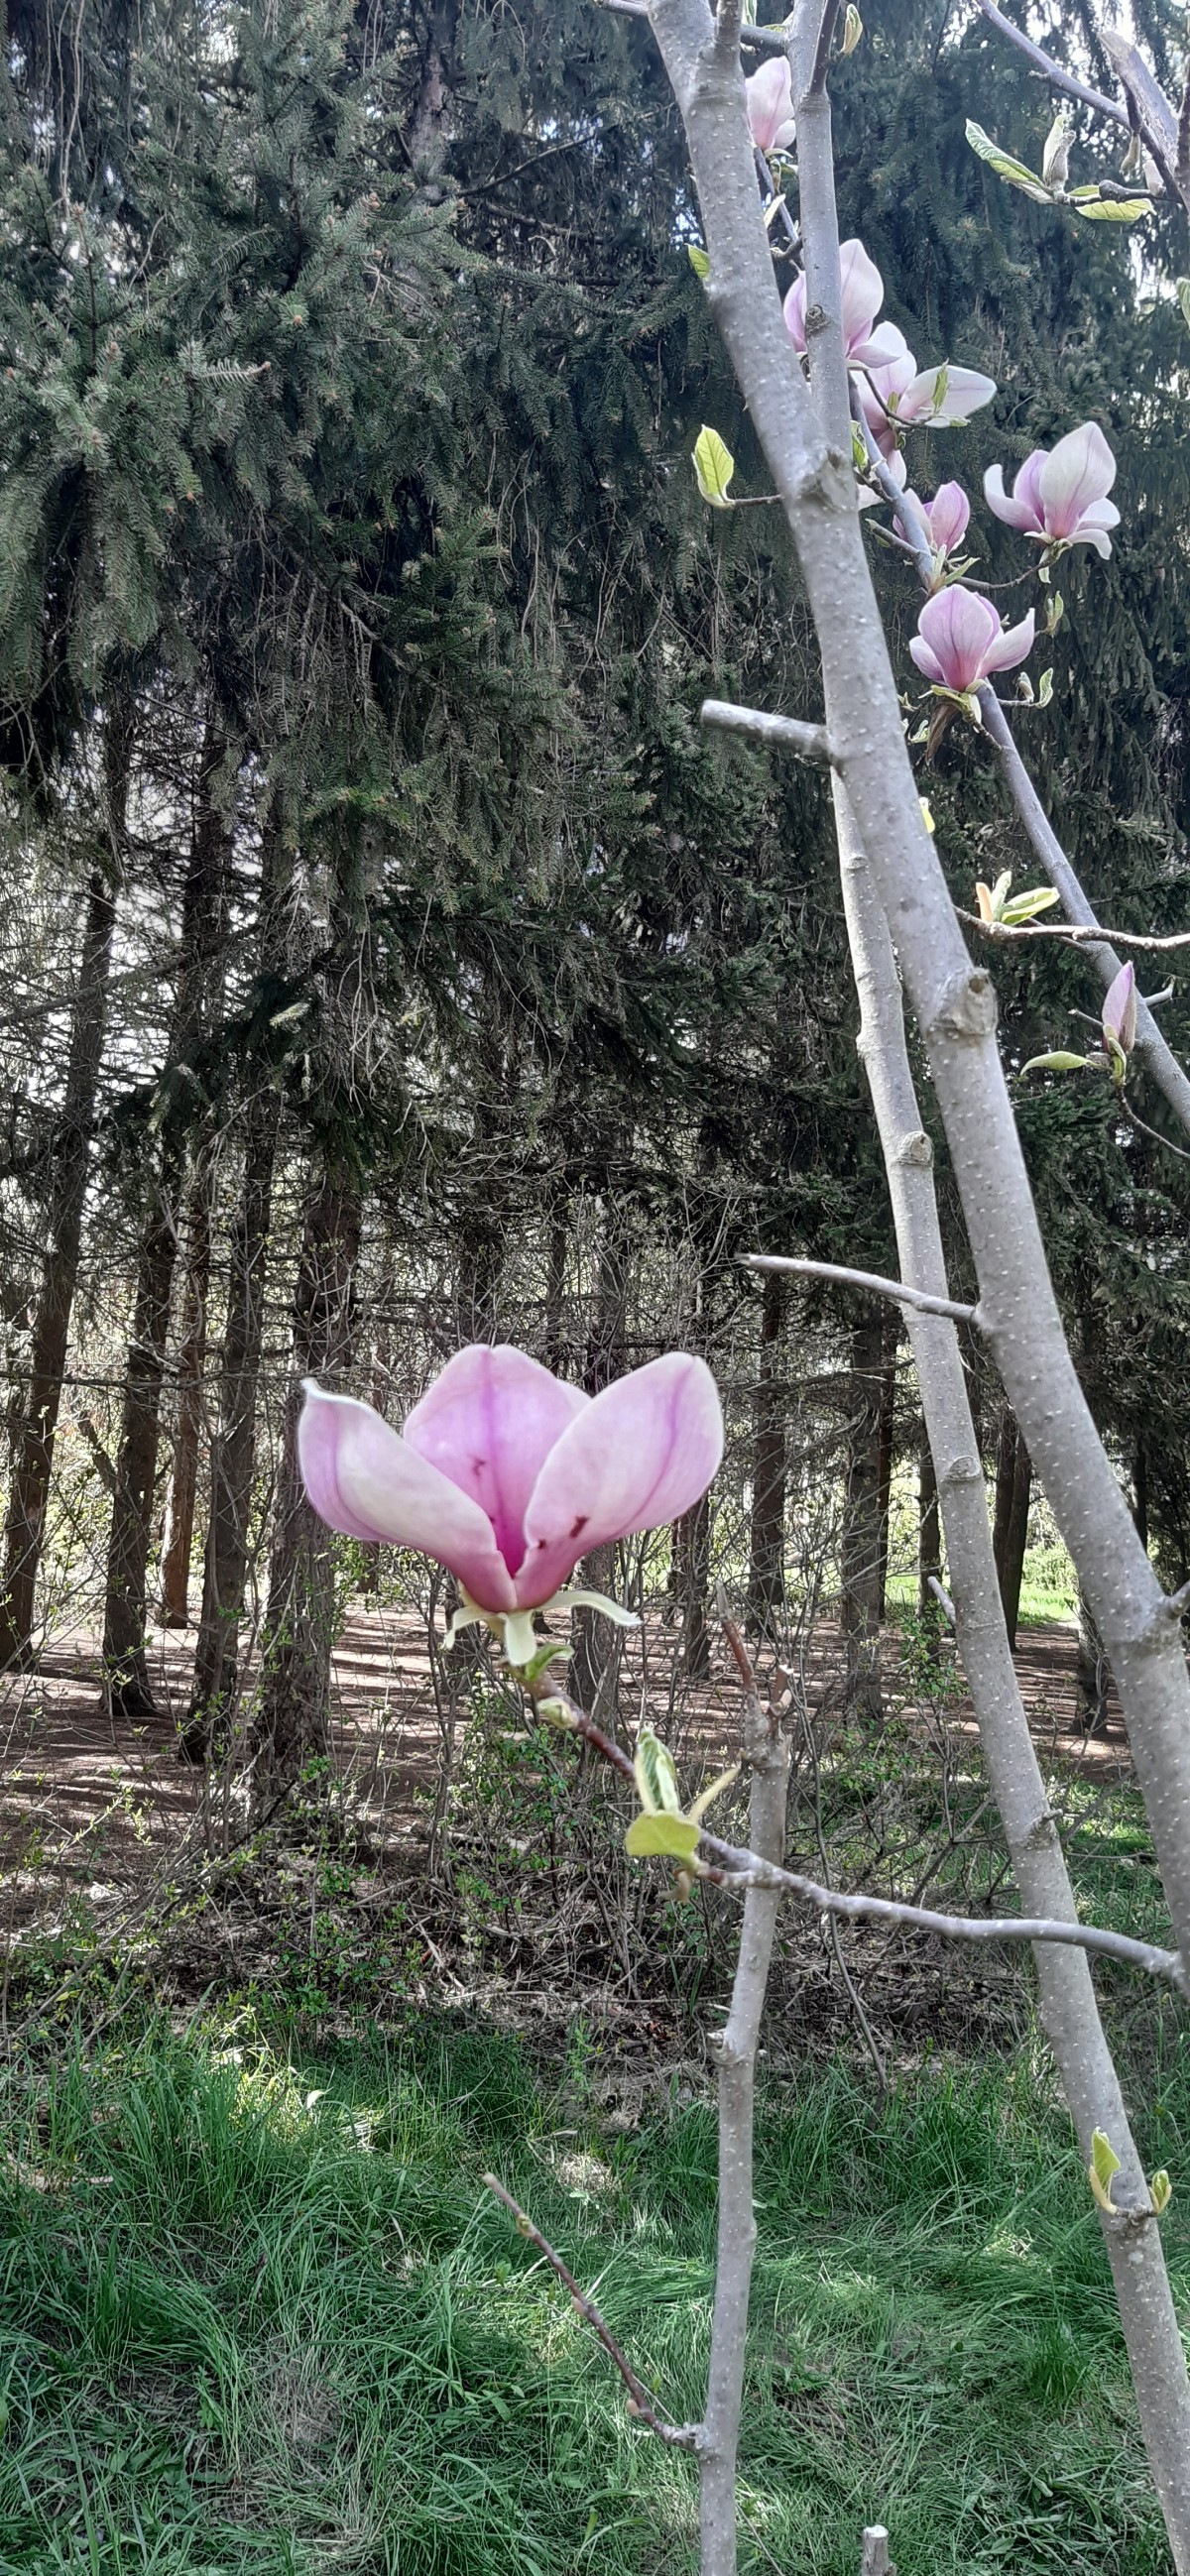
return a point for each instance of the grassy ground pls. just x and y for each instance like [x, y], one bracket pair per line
[258, 2315]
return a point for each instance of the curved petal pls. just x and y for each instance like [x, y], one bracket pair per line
[885, 346]
[927, 662]
[1119, 1008]
[1009, 647]
[794, 310]
[947, 516]
[1019, 509]
[863, 293]
[769, 93]
[959, 627]
[944, 397]
[489, 1422]
[1077, 472]
[364, 1479]
[639, 1456]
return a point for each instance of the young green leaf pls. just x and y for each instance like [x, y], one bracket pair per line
[656, 1778]
[714, 466]
[1160, 2191]
[699, 261]
[1025, 907]
[1006, 166]
[1112, 210]
[853, 28]
[1104, 2163]
[664, 1837]
[1059, 1060]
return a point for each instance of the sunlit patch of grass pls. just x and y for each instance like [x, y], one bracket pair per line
[260, 2316]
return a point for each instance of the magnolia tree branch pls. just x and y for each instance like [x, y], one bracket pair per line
[733, 2049]
[684, 2437]
[916, 1301]
[739, 1868]
[788, 733]
[1073, 934]
[1055, 73]
[1151, 1049]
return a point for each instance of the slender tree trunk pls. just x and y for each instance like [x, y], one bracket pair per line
[859, 1555]
[1090, 1673]
[292, 1720]
[597, 1644]
[233, 1450]
[553, 1337]
[1010, 1533]
[886, 1438]
[34, 1454]
[126, 1606]
[766, 1554]
[929, 1530]
[692, 1552]
[175, 1567]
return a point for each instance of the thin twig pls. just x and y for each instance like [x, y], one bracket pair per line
[809, 741]
[684, 2437]
[917, 1298]
[736, 1869]
[942, 1597]
[1075, 933]
[1055, 73]
[822, 50]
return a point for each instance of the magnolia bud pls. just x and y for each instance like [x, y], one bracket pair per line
[1055, 160]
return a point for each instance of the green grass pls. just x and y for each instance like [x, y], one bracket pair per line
[244, 2330]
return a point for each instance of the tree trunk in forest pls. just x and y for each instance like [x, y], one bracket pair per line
[886, 1438]
[233, 1449]
[1090, 1673]
[175, 1566]
[553, 1336]
[597, 1643]
[859, 1554]
[692, 1557]
[34, 1453]
[1010, 1528]
[292, 1718]
[126, 1605]
[929, 1530]
[766, 1549]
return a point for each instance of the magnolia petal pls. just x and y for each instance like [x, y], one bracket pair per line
[576, 1597]
[1079, 471]
[794, 310]
[769, 93]
[927, 662]
[946, 516]
[959, 626]
[945, 397]
[638, 1457]
[364, 1479]
[1009, 647]
[863, 292]
[489, 1422]
[884, 348]
[1020, 508]
[1119, 1008]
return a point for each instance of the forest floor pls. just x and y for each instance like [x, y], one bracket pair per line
[258, 2316]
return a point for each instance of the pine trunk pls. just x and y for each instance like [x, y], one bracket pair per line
[233, 1450]
[126, 1605]
[1010, 1531]
[766, 1552]
[34, 1451]
[1090, 1674]
[860, 1548]
[929, 1533]
[175, 1567]
[292, 1721]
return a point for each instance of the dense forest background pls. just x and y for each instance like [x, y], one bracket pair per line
[388, 958]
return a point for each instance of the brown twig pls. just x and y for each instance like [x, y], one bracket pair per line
[683, 2437]
[1075, 933]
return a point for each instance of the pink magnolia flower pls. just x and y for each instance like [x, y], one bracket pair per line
[899, 396]
[506, 1475]
[867, 342]
[946, 517]
[1061, 497]
[1119, 1011]
[769, 93]
[960, 639]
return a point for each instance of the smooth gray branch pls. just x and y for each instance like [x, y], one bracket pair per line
[1077, 934]
[871, 1280]
[684, 2437]
[1055, 73]
[789, 733]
